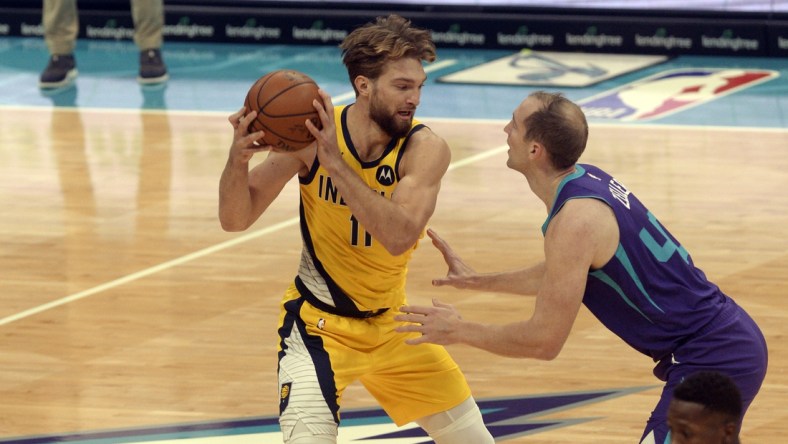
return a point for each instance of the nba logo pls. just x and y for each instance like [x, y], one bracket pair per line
[669, 92]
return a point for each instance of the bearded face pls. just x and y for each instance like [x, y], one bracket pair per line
[389, 119]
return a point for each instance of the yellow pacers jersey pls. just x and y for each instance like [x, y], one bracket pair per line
[341, 264]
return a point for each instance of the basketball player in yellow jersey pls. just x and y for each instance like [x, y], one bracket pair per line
[369, 184]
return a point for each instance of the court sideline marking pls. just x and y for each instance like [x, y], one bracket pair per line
[218, 247]
[281, 225]
[336, 99]
[201, 253]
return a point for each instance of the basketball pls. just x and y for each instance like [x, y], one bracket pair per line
[283, 101]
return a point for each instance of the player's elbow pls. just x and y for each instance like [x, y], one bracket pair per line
[233, 219]
[545, 351]
[549, 354]
[549, 350]
[231, 228]
[232, 225]
[397, 248]
[398, 245]
[541, 354]
[398, 238]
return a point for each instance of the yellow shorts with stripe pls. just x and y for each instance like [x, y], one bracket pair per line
[320, 354]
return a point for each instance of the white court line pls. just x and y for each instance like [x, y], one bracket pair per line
[149, 271]
[477, 157]
[197, 254]
[276, 227]
[342, 97]
[339, 98]
[205, 251]
[200, 253]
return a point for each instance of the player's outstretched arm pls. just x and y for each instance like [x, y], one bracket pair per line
[581, 236]
[524, 281]
[244, 195]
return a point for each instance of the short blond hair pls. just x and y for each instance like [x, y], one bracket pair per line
[367, 49]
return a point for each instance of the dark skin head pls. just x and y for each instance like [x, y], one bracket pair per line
[692, 423]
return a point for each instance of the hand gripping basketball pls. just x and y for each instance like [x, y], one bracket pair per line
[283, 101]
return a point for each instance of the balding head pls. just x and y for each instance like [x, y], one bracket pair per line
[559, 125]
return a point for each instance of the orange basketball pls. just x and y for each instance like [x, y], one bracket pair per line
[283, 101]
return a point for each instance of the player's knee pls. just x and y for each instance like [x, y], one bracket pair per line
[461, 424]
[312, 439]
[301, 434]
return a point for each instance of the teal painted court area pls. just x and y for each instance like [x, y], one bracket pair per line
[207, 77]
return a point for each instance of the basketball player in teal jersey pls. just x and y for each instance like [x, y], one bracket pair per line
[368, 185]
[606, 250]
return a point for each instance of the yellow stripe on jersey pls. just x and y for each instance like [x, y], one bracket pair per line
[360, 266]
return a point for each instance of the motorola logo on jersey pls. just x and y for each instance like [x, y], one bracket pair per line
[385, 175]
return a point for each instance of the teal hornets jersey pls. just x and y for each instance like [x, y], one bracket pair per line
[650, 293]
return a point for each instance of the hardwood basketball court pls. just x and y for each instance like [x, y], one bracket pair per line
[125, 305]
